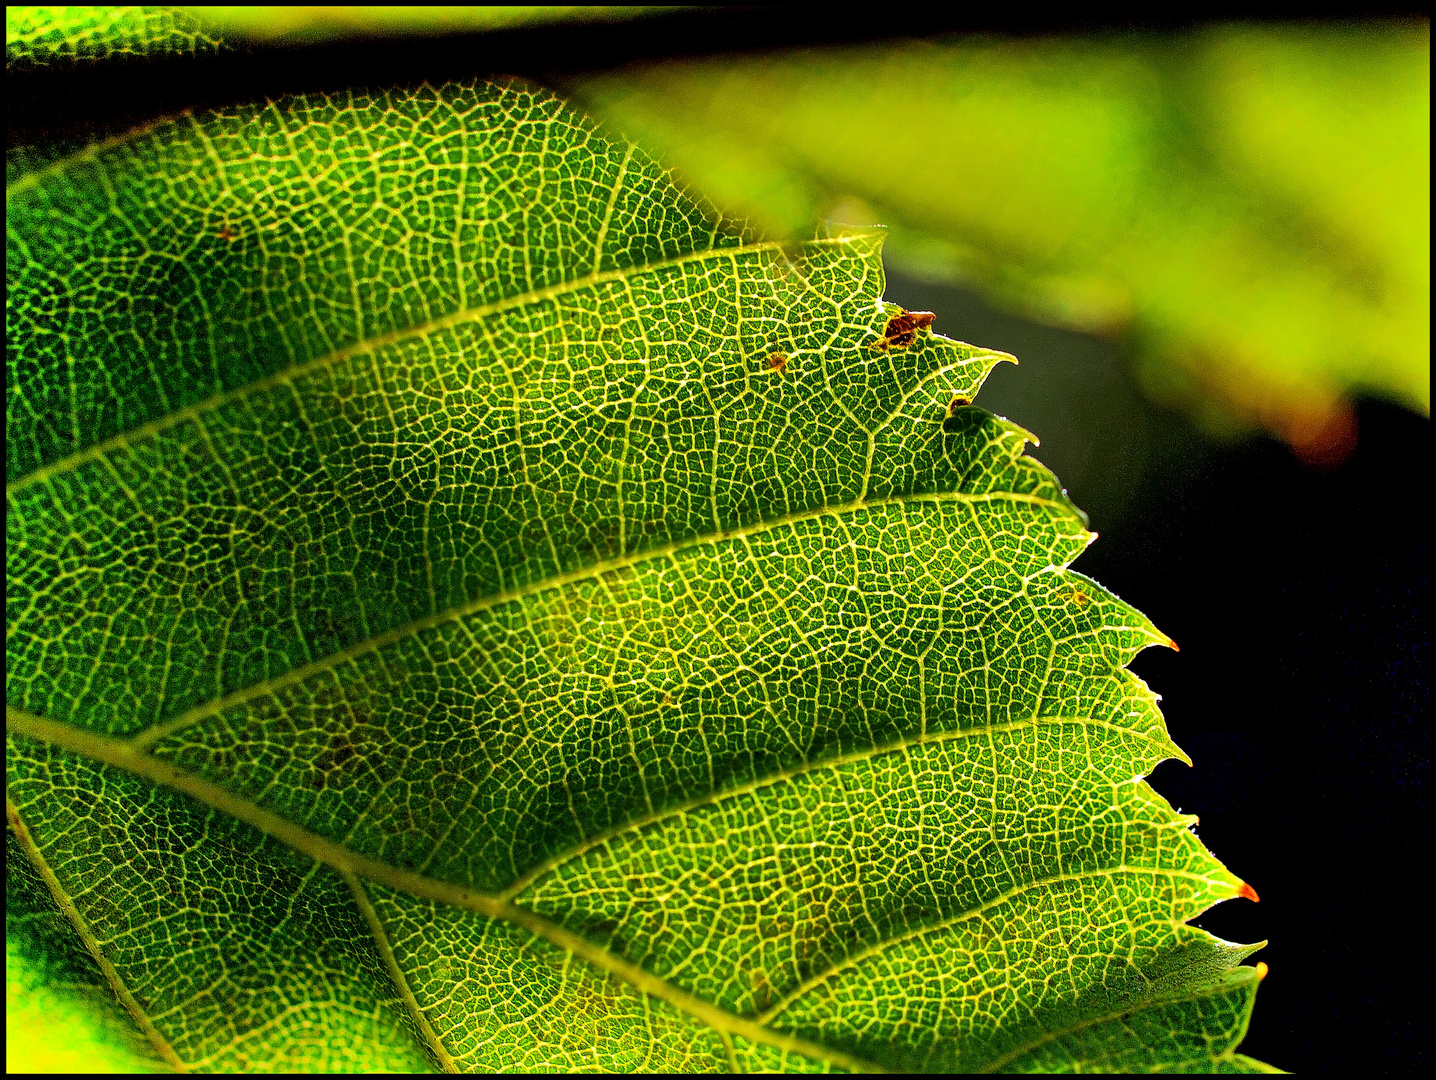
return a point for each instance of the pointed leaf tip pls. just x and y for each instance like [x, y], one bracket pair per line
[1250, 893]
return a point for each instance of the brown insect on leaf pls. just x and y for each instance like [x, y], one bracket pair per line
[902, 329]
[778, 362]
[1078, 597]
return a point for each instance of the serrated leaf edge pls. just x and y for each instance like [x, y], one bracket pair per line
[352, 866]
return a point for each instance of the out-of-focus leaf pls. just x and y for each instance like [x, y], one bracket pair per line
[44, 35]
[303, 23]
[1253, 205]
[470, 606]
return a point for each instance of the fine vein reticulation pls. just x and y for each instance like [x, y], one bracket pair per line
[439, 636]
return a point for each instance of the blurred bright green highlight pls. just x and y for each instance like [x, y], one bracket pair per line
[1250, 205]
[54, 1025]
[318, 23]
[35, 36]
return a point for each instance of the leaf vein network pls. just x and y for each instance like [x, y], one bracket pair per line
[189, 412]
[351, 866]
[157, 732]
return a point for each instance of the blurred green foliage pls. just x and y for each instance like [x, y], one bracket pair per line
[41, 35]
[303, 23]
[1250, 205]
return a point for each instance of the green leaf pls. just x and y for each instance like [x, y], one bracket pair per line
[42, 36]
[470, 606]
[320, 23]
[1251, 205]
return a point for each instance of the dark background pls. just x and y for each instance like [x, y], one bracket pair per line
[1298, 595]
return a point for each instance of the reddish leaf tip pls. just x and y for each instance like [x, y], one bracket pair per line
[1250, 893]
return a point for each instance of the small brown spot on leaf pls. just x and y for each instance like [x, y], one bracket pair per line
[227, 233]
[778, 361]
[951, 421]
[902, 329]
[1078, 597]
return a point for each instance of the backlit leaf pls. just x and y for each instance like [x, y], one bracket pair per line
[470, 606]
[40, 36]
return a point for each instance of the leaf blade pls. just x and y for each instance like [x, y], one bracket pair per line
[471, 599]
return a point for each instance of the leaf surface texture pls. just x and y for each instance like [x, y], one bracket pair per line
[471, 606]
